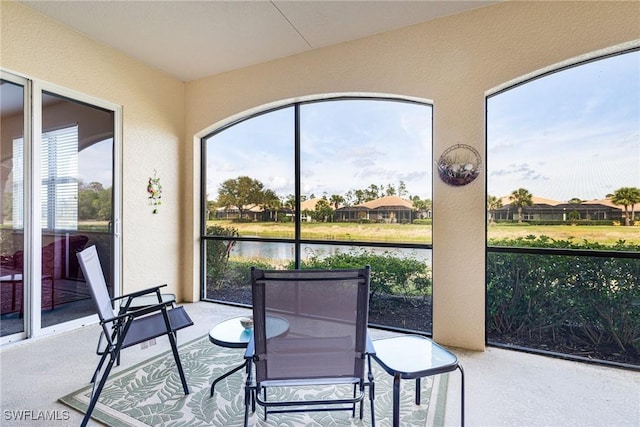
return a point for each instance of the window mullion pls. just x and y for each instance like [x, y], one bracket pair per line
[298, 193]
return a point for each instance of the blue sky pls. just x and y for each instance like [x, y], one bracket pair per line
[574, 133]
[95, 163]
[345, 145]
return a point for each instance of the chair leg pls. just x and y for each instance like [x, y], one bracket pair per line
[353, 409]
[372, 397]
[176, 356]
[264, 396]
[102, 359]
[248, 394]
[95, 393]
[372, 393]
[361, 402]
[247, 400]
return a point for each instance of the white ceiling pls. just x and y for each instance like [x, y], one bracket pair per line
[194, 39]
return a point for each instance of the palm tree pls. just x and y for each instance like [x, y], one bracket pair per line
[519, 199]
[627, 196]
[336, 200]
[493, 204]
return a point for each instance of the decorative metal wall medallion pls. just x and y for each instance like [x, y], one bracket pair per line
[459, 165]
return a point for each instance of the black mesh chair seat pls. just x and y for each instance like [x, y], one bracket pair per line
[152, 326]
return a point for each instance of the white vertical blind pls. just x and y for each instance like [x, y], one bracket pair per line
[59, 191]
[18, 184]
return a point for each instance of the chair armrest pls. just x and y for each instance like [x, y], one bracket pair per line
[133, 295]
[139, 293]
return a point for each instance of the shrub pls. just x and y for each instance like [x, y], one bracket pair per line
[217, 253]
[390, 274]
[588, 300]
[238, 273]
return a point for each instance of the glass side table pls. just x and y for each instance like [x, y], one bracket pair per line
[414, 357]
[231, 334]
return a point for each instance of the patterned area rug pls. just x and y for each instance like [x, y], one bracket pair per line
[150, 394]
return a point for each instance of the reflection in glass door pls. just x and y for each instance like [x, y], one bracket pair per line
[76, 171]
[12, 236]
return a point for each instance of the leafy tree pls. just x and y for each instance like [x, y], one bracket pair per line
[627, 196]
[322, 211]
[372, 192]
[574, 216]
[519, 199]
[421, 205]
[390, 190]
[240, 192]
[290, 202]
[103, 205]
[493, 204]
[271, 201]
[94, 201]
[7, 206]
[349, 198]
[217, 253]
[211, 207]
[86, 204]
[575, 201]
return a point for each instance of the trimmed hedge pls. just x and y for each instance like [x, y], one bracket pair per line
[580, 301]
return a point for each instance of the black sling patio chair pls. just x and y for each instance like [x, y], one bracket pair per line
[325, 341]
[124, 328]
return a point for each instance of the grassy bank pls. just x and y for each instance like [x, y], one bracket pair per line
[411, 233]
[605, 234]
[406, 233]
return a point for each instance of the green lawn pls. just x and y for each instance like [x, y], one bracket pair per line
[412, 233]
[605, 234]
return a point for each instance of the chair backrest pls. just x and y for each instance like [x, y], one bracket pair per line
[325, 313]
[90, 264]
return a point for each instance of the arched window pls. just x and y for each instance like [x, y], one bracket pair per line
[323, 184]
[563, 202]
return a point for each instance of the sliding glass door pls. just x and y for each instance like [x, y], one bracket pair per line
[57, 190]
[13, 127]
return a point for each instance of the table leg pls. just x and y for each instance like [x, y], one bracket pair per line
[461, 395]
[396, 400]
[417, 391]
[220, 378]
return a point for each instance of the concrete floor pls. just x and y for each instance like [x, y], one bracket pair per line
[503, 388]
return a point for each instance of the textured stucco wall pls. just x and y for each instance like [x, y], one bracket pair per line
[153, 126]
[453, 61]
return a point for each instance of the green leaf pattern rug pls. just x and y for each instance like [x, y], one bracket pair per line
[150, 394]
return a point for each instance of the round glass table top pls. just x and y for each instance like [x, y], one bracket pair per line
[230, 333]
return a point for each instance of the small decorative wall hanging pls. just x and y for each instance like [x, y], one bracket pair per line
[155, 192]
[459, 165]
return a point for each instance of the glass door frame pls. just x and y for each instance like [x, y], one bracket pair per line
[33, 90]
